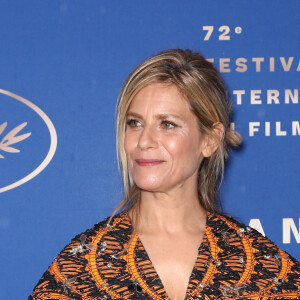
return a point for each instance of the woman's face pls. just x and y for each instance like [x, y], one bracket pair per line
[163, 144]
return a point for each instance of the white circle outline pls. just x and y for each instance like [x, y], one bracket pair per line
[53, 141]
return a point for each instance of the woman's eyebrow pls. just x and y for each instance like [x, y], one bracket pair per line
[162, 116]
[133, 114]
[174, 116]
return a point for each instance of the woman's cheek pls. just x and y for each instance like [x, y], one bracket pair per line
[175, 144]
[129, 143]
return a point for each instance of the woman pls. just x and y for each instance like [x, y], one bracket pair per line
[169, 241]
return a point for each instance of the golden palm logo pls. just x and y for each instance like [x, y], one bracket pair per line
[12, 138]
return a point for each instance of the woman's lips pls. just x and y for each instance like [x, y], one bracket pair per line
[148, 162]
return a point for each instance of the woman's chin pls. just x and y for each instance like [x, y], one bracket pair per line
[149, 185]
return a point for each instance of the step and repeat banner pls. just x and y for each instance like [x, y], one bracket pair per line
[62, 64]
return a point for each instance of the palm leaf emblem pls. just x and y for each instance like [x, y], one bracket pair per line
[12, 138]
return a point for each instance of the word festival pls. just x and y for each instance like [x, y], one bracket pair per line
[258, 64]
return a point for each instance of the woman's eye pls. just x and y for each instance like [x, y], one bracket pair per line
[133, 123]
[168, 124]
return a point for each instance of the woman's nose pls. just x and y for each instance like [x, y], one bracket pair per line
[147, 138]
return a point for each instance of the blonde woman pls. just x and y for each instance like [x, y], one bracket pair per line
[168, 241]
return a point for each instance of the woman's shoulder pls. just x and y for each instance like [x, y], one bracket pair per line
[78, 260]
[225, 227]
[259, 265]
[82, 241]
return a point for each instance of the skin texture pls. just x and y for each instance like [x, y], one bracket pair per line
[164, 148]
[161, 127]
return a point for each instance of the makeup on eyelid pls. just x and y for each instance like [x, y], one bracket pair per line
[133, 123]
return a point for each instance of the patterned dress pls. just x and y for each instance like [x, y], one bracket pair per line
[234, 262]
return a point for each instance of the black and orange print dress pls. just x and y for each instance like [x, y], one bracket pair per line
[234, 262]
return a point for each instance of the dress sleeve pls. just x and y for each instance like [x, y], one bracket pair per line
[69, 276]
[54, 285]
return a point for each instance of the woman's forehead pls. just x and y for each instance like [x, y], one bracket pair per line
[159, 96]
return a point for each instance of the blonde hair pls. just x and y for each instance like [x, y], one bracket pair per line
[203, 88]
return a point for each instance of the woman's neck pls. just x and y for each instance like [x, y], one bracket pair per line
[170, 212]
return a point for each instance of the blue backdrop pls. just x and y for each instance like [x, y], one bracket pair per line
[62, 64]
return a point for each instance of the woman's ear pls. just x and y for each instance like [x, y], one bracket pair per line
[214, 139]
